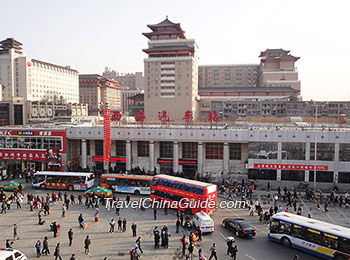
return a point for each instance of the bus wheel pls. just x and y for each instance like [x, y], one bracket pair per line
[286, 242]
[70, 187]
[339, 257]
[42, 186]
[137, 192]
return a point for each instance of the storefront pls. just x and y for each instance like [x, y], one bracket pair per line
[32, 149]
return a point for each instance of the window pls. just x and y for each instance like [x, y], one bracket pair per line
[293, 151]
[298, 231]
[189, 150]
[285, 228]
[274, 226]
[9, 258]
[166, 149]
[262, 174]
[260, 150]
[214, 151]
[88, 147]
[99, 147]
[344, 245]
[142, 148]
[330, 241]
[325, 151]
[235, 151]
[344, 152]
[290, 175]
[313, 236]
[344, 177]
[321, 176]
[120, 148]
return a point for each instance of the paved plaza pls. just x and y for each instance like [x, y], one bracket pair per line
[117, 246]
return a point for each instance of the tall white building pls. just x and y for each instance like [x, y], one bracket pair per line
[32, 79]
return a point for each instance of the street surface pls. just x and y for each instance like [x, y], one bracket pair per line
[117, 246]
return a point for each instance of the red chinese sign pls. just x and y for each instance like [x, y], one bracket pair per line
[188, 116]
[23, 155]
[140, 117]
[163, 116]
[117, 115]
[213, 116]
[290, 167]
[107, 134]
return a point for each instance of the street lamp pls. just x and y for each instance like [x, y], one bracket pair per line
[314, 104]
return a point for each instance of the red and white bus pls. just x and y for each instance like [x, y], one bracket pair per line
[169, 188]
[135, 184]
[63, 180]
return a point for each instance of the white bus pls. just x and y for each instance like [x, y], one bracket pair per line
[63, 180]
[325, 240]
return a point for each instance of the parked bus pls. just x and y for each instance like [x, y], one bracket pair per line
[319, 238]
[136, 184]
[63, 180]
[169, 188]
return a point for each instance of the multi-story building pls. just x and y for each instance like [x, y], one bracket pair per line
[126, 80]
[278, 69]
[96, 90]
[219, 76]
[171, 72]
[126, 94]
[32, 79]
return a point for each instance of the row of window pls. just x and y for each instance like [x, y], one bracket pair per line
[166, 195]
[127, 182]
[31, 143]
[313, 236]
[178, 185]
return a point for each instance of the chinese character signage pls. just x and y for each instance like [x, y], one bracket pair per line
[290, 166]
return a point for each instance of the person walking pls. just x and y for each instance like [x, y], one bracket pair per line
[120, 222]
[183, 243]
[81, 221]
[229, 244]
[124, 225]
[190, 251]
[155, 213]
[326, 206]
[138, 244]
[87, 243]
[233, 252]
[15, 232]
[72, 257]
[70, 236]
[112, 225]
[57, 253]
[46, 250]
[156, 237]
[64, 209]
[38, 248]
[200, 255]
[213, 252]
[97, 214]
[133, 228]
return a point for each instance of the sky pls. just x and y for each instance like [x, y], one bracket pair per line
[90, 35]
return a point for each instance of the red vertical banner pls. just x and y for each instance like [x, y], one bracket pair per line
[107, 134]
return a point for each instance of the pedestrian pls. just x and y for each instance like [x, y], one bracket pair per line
[199, 234]
[87, 243]
[190, 251]
[200, 255]
[64, 211]
[133, 228]
[15, 232]
[72, 198]
[97, 214]
[309, 215]
[233, 252]
[46, 250]
[57, 253]
[127, 199]
[318, 202]
[18, 201]
[326, 206]
[183, 243]
[182, 219]
[38, 248]
[155, 213]
[229, 244]
[299, 210]
[296, 257]
[156, 237]
[124, 224]
[120, 222]
[178, 223]
[213, 252]
[80, 199]
[72, 257]
[70, 236]
[112, 225]
[81, 221]
[138, 243]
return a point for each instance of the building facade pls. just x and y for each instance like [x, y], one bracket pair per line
[228, 76]
[126, 101]
[265, 154]
[171, 72]
[126, 80]
[96, 90]
[32, 79]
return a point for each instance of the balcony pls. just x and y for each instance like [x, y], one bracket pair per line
[167, 72]
[168, 78]
[167, 90]
[167, 84]
[167, 66]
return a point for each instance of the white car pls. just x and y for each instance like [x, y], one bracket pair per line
[204, 222]
[11, 254]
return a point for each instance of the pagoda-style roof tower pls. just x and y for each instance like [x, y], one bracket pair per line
[276, 55]
[165, 30]
[10, 43]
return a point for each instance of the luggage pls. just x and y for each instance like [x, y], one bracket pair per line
[85, 225]
[96, 219]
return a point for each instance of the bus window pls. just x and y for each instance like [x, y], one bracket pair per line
[39, 178]
[344, 245]
[298, 231]
[285, 228]
[330, 241]
[275, 226]
[313, 236]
